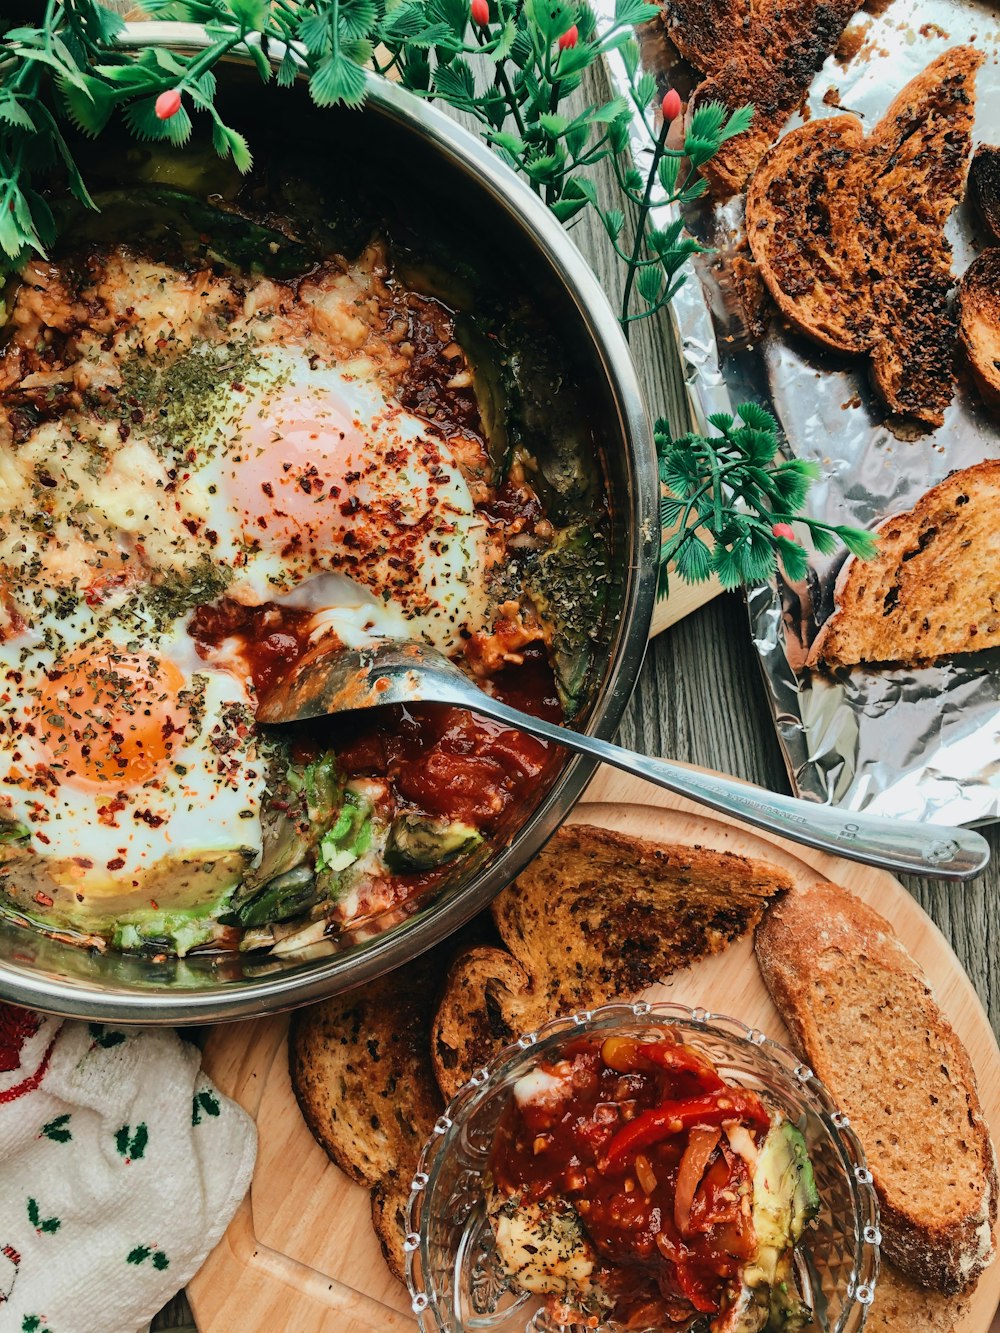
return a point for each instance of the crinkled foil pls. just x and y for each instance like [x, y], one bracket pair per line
[922, 744]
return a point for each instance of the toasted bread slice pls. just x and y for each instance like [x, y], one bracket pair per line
[846, 987]
[902, 1306]
[933, 589]
[596, 916]
[848, 232]
[765, 53]
[361, 1071]
[984, 186]
[979, 322]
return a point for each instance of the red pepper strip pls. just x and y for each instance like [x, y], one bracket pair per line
[625, 1055]
[662, 1122]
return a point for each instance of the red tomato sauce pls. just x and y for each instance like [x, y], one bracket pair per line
[272, 637]
[448, 762]
[662, 1196]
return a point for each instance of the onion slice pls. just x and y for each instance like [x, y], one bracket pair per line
[701, 1144]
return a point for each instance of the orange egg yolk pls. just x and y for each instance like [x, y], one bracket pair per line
[108, 716]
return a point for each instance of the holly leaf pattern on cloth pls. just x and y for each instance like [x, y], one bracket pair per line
[132, 1146]
[56, 1130]
[204, 1102]
[143, 1252]
[103, 1037]
[34, 1323]
[43, 1225]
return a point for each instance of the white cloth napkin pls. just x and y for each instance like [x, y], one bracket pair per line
[120, 1168]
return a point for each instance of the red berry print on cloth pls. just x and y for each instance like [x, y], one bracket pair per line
[10, 1263]
[16, 1026]
[131, 1146]
[56, 1130]
[143, 1252]
[43, 1225]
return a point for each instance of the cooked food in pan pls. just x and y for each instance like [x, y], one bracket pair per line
[222, 440]
[848, 233]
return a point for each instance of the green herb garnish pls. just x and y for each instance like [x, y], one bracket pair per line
[730, 505]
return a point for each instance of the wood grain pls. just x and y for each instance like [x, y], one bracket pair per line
[303, 1207]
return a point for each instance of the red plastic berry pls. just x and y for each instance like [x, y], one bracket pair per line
[480, 11]
[569, 38]
[671, 105]
[168, 104]
[784, 530]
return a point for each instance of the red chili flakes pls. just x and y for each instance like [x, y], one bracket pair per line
[116, 863]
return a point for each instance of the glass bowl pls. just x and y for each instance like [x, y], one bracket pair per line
[452, 1270]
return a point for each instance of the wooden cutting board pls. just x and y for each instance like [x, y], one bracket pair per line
[301, 1256]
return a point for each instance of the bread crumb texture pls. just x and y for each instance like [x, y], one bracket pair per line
[596, 916]
[863, 1015]
[848, 232]
[933, 588]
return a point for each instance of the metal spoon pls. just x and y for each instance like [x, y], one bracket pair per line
[333, 680]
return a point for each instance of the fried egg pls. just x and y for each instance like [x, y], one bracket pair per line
[307, 469]
[131, 770]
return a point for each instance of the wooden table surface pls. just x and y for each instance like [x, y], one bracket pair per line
[701, 698]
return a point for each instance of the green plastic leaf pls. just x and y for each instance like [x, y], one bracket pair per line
[613, 221]
[145, 124]
[230, 143]
[859, 542]
[288, 69]
[337, 79]
[564, 209]
[693, 560]
[645, 89]
[13, 113]
[551, 17]
[89, 111]
[630, 13]
[793, 560]
[823, 539]
[650, 284]
[357, 18]
[250, 14]
[737, 123]
[757, 417]
[667, 172]
[553, 125]
[706, 121]
[670, 511]
[456, 82]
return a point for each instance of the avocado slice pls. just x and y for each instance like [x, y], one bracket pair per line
[785, 1200]
[417, 842]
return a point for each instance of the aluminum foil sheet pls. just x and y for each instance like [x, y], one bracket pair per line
[923, 744]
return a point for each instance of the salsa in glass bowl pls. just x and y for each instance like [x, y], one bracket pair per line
[643, 1167]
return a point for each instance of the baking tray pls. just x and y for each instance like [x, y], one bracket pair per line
[922, 743]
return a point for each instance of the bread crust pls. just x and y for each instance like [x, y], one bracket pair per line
[596, 916]
[979, 322]
[848, 232]
[903, 605]
[764, 53]
[984, 186]
[845, 986]
[361, 1072]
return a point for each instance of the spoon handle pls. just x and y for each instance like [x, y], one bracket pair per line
[893, 844]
